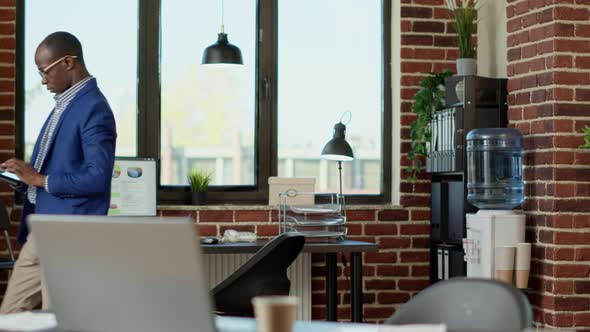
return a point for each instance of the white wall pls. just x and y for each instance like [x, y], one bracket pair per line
[491, 39]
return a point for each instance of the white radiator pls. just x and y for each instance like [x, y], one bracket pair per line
[220, 266]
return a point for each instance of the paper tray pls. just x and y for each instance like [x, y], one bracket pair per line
[318, 208]
[317, 231]
[333, 220]
[322, 233]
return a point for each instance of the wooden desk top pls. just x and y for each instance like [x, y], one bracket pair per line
[313, 247]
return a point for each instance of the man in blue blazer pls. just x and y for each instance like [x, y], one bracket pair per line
[72, 162]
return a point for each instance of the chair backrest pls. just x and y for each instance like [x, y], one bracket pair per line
[265, 273]
[468, 304]
[5, 226]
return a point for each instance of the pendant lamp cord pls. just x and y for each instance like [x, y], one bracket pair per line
[222, 14]
[349, 113]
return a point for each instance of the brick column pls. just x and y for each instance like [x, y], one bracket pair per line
[549, 94]
[428, 44]
[7, 87]
[7, 90]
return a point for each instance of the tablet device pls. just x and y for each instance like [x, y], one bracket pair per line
[10, 178]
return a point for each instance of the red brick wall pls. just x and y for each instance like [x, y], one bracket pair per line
[391, 276]
[7, 84]
[549, 95]
[428, 44]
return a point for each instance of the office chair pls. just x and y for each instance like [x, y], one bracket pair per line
[6, 263]
[466, 304]
[265, 273]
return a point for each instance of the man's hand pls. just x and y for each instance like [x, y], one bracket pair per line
[25, 171]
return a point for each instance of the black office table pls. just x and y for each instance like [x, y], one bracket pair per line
[330, 249]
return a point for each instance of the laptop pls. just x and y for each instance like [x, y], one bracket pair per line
[123, 274]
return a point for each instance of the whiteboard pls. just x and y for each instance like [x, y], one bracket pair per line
[133, 187]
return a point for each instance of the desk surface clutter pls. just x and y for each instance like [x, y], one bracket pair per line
[43, 321]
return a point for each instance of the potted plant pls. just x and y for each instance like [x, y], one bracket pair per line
[199, 182]
[463, 16]
[427, 100]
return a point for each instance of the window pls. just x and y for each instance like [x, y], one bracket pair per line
[208, 112]
[102, 45]
[329, 65]
[306, 62]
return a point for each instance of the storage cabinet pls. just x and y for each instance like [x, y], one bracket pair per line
[471, 102]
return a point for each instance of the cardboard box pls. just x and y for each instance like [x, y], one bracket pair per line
[277, 185]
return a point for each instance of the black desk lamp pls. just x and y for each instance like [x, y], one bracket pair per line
[338, 149]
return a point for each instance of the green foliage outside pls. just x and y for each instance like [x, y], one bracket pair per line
[463, 16]
[198, 180]
[586, 144]
[204, 108]
[427, 100]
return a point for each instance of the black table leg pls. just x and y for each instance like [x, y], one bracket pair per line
[331, 287]
[356, 289]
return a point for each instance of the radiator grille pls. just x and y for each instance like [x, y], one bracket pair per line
[220, 266]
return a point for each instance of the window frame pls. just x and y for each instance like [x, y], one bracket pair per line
[266, 113]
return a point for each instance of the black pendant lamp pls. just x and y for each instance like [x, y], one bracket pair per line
[222, 52]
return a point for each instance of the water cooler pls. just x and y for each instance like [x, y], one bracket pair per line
[495, 186]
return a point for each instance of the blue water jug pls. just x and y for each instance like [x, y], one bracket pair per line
[494, 168]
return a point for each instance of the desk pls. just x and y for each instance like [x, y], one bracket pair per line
[239, 324]
[330, 249]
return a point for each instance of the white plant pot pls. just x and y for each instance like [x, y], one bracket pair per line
[466, 66]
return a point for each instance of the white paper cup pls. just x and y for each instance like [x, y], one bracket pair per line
[523, 264]
[523, 256]
[275, 313]
[504, 263]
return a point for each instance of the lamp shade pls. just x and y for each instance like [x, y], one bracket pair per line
[222, 52]
[338, 148]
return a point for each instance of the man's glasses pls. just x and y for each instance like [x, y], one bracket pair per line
[43, 71]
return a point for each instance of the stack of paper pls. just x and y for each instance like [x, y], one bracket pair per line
[27, 321]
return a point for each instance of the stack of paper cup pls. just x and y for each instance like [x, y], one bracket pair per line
[504, 263]
[523, 264]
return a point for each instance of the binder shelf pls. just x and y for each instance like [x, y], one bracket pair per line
[472, 102]
[325, 219]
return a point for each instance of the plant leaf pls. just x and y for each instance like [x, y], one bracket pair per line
[426, 102]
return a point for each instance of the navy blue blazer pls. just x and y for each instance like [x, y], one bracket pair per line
[79, 161]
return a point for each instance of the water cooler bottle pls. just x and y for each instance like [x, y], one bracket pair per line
[495, 186]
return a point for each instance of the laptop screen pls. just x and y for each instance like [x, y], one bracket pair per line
[123, 274]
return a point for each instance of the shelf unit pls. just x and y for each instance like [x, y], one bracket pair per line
[471, 102]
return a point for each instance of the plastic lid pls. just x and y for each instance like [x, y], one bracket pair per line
[494, 138]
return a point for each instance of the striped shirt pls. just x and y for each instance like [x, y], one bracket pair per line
[62, 101]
